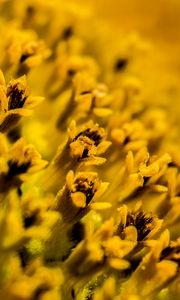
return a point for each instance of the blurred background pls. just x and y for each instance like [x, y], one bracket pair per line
[157, 21]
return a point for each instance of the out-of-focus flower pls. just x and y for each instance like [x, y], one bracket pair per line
[17, 162]
[22, 50]
[35, 281]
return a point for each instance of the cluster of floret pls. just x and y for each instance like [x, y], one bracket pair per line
[90, 182]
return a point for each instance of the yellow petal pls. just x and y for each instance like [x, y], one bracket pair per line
[100, 205]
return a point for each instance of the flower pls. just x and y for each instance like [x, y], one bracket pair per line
[88, 143]
[17, 162]
[146, 224]
[153, 270]
[34, 281]
[15, 102]
[77, 197]
[83, 148]
[22, 49]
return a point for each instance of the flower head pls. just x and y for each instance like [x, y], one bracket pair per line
[99, 199]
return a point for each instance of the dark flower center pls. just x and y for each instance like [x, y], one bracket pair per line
[142, 223]
[15, 169]
[16, 97]
[86, 187]
[92, 135]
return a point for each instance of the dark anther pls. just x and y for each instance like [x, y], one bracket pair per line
[172, 164]
[78, 135]
[95, 136]
[81, 186]
[85, 92]
[92, 135]
[76, 234]
[145, 180]
[85, 153]
[73, 293]
[67, 33]
[29, 221]
[23, 254]
[71, 72]
[15, 169]
[89, 195]
[130, 220]
[120, 64]
[166, 252]
[127, 140]
[19, 191]
[16, 97]
[24, 57]
[170, 253]
[141, 224]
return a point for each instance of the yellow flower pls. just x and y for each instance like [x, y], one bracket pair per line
[88, 143]
[22, 49]
[157, 273]
[36, 281]
[17, 162]
[146, 224]
[79, 194]
[15, 102]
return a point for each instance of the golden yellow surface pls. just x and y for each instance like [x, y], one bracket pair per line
[157, 21]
